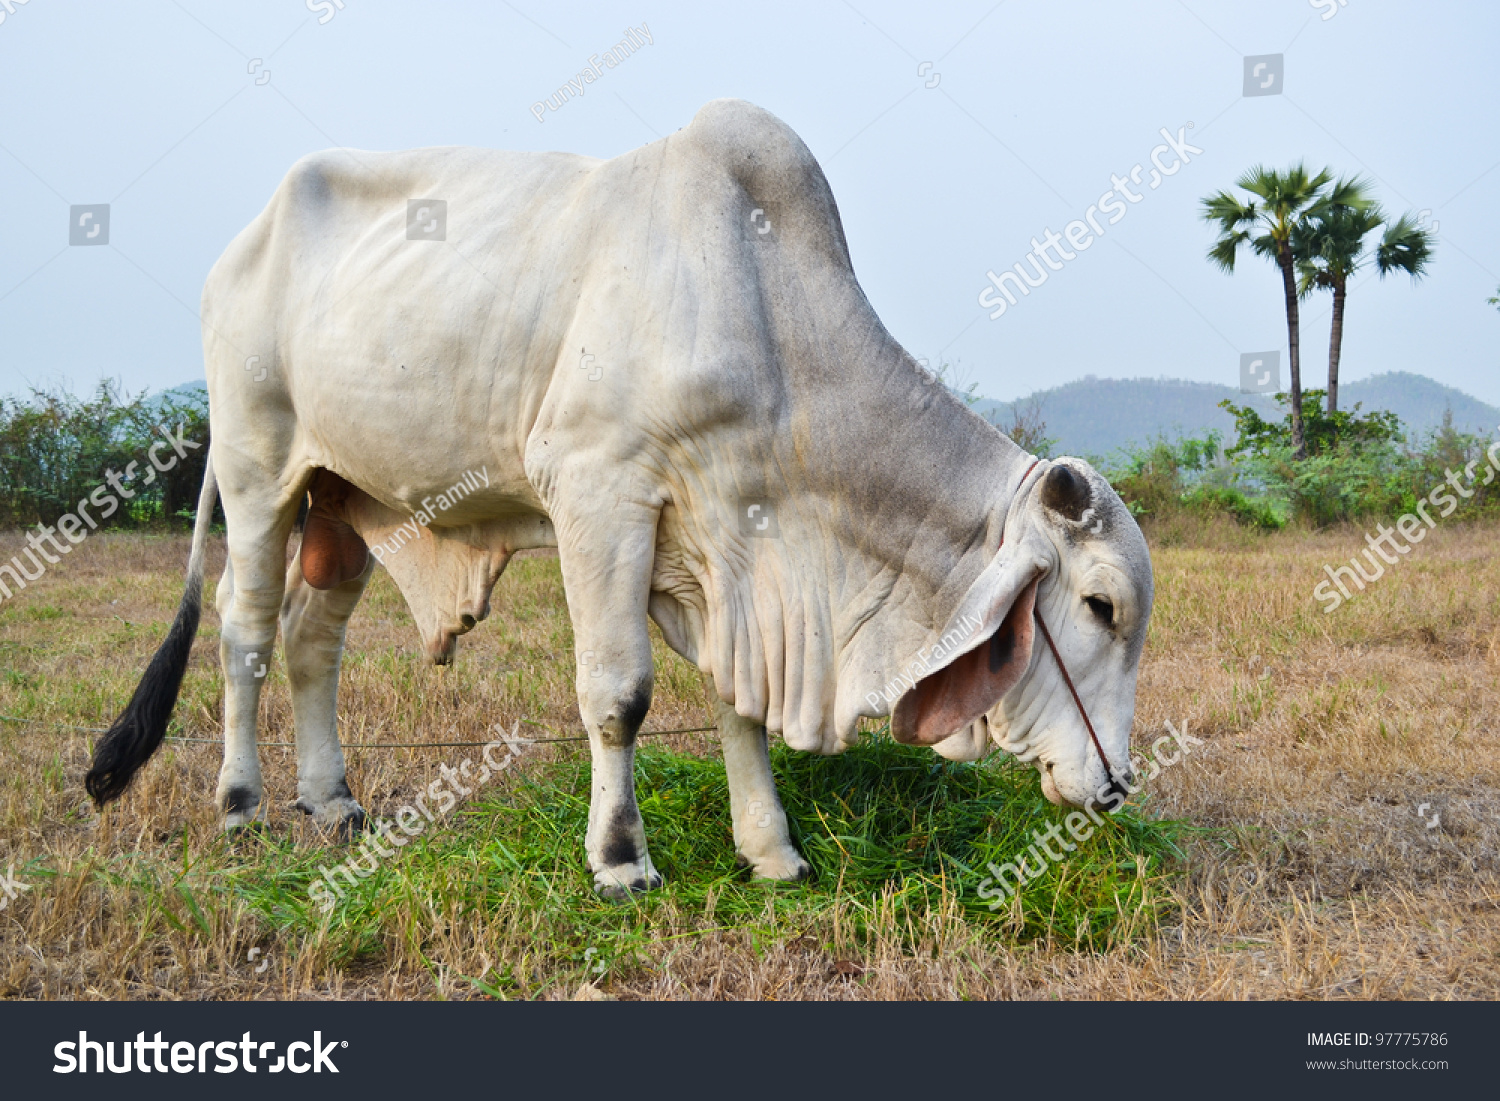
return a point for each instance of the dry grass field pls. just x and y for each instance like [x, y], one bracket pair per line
[1286, 858]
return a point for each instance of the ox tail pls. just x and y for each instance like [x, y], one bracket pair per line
[139, 730]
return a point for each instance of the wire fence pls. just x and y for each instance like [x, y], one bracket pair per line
[361, 745]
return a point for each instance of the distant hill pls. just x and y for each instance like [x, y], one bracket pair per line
[1095, 416]
[188, 391]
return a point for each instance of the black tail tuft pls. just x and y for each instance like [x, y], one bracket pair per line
[139, 730]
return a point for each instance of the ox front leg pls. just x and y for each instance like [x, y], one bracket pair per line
[760, 833]
[606, 571]
[312, 624]
[616, 839]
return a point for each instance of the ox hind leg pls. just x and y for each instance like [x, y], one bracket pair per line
[760, 832]
[606, 571]
[248, 599]
[313, 622]
[325, 582]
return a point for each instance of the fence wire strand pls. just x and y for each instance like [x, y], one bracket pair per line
[363, 745]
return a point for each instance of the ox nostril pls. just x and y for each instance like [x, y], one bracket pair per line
[1122, 784]
[468, 621]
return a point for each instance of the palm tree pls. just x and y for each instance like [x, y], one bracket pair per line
[1266, 226]
[1330, 247]
[1328, 250]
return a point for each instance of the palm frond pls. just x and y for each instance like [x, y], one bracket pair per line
[1353, 192]
[1226, 248]
[1267, 246]
[1308, 275]
[1405, 246]
[1227, 210]
[1332, 239]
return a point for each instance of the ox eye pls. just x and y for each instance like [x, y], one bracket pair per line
[1102, 608]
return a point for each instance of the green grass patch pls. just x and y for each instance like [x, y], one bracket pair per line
[892, 833]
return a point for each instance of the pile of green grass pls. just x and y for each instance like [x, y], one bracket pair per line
[891, 831]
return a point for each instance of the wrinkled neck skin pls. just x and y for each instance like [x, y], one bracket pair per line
[889, 495]
[903, 584]
[900, 500]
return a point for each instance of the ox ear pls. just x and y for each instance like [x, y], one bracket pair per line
[1066, 491]
[986, 664]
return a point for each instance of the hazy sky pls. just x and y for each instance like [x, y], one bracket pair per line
[952, 133]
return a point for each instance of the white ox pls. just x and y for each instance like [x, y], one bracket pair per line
[635, 352]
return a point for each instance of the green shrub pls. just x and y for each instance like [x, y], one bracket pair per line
[1190, 475]
[55, 449]
[1323, 432]
[1357, 466]
[1255, 513]
[1152, 480]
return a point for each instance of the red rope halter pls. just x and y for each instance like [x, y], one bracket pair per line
[1057, 657]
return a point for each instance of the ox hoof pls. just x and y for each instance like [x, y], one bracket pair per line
[341, 816]
[786, 866]
[246, 836]
[623, 882]
[241, 807]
